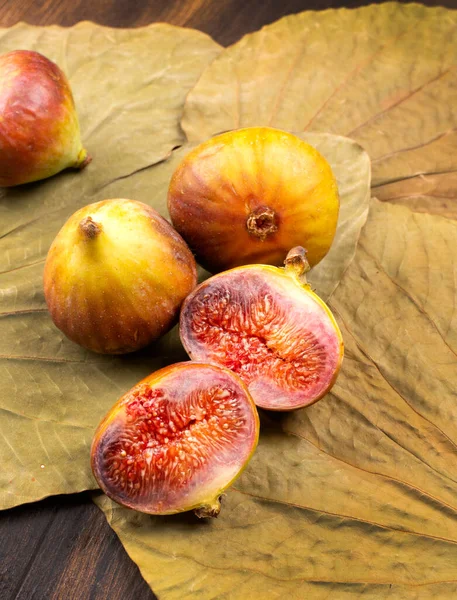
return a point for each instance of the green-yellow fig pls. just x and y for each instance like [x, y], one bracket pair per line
[116, 275]
[39, 128]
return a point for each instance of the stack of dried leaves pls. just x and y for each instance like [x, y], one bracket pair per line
[356, 495]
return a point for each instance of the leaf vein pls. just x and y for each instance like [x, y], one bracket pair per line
[376, 366]
[400, 101]
[343, 516]
[376, 473]
[417, 147]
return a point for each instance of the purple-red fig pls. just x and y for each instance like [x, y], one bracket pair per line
[39, 128]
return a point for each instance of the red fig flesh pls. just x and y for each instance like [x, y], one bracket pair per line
[266, 325]
[176, 440]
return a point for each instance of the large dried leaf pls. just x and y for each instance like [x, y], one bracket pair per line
[385, 76]
[53, 393]
[354, 496]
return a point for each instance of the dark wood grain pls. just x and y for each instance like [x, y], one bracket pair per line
[62, 548]
[225, 20]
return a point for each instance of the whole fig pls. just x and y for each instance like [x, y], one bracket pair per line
[116, 276]
[249, 195]
[39, 128]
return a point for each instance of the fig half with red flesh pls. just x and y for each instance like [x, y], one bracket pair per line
[176, 440]
[268, 326]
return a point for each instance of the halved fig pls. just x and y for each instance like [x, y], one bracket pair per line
[268, 326]
[176, 440]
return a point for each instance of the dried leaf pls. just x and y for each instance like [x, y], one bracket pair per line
[53, 393]
[354, 496]
[384, 75]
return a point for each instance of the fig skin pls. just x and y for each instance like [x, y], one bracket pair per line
[248, 196]
[268, 326]
[181, 436]
[39, 128]
[116, 275]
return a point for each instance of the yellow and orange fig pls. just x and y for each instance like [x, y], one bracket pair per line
[176, 440]
[248, 196]
[39, 128]
[268, 326]
[116, 276]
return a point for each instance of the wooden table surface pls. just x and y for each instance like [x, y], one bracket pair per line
[62, 548]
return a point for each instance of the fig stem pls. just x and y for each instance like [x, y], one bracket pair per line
[297, 264]
[89, 228]
[211, 509]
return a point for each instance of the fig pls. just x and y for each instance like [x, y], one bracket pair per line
[176, 440]
[268, 326]
[116, 275]
[249, 195]
[39, 128]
